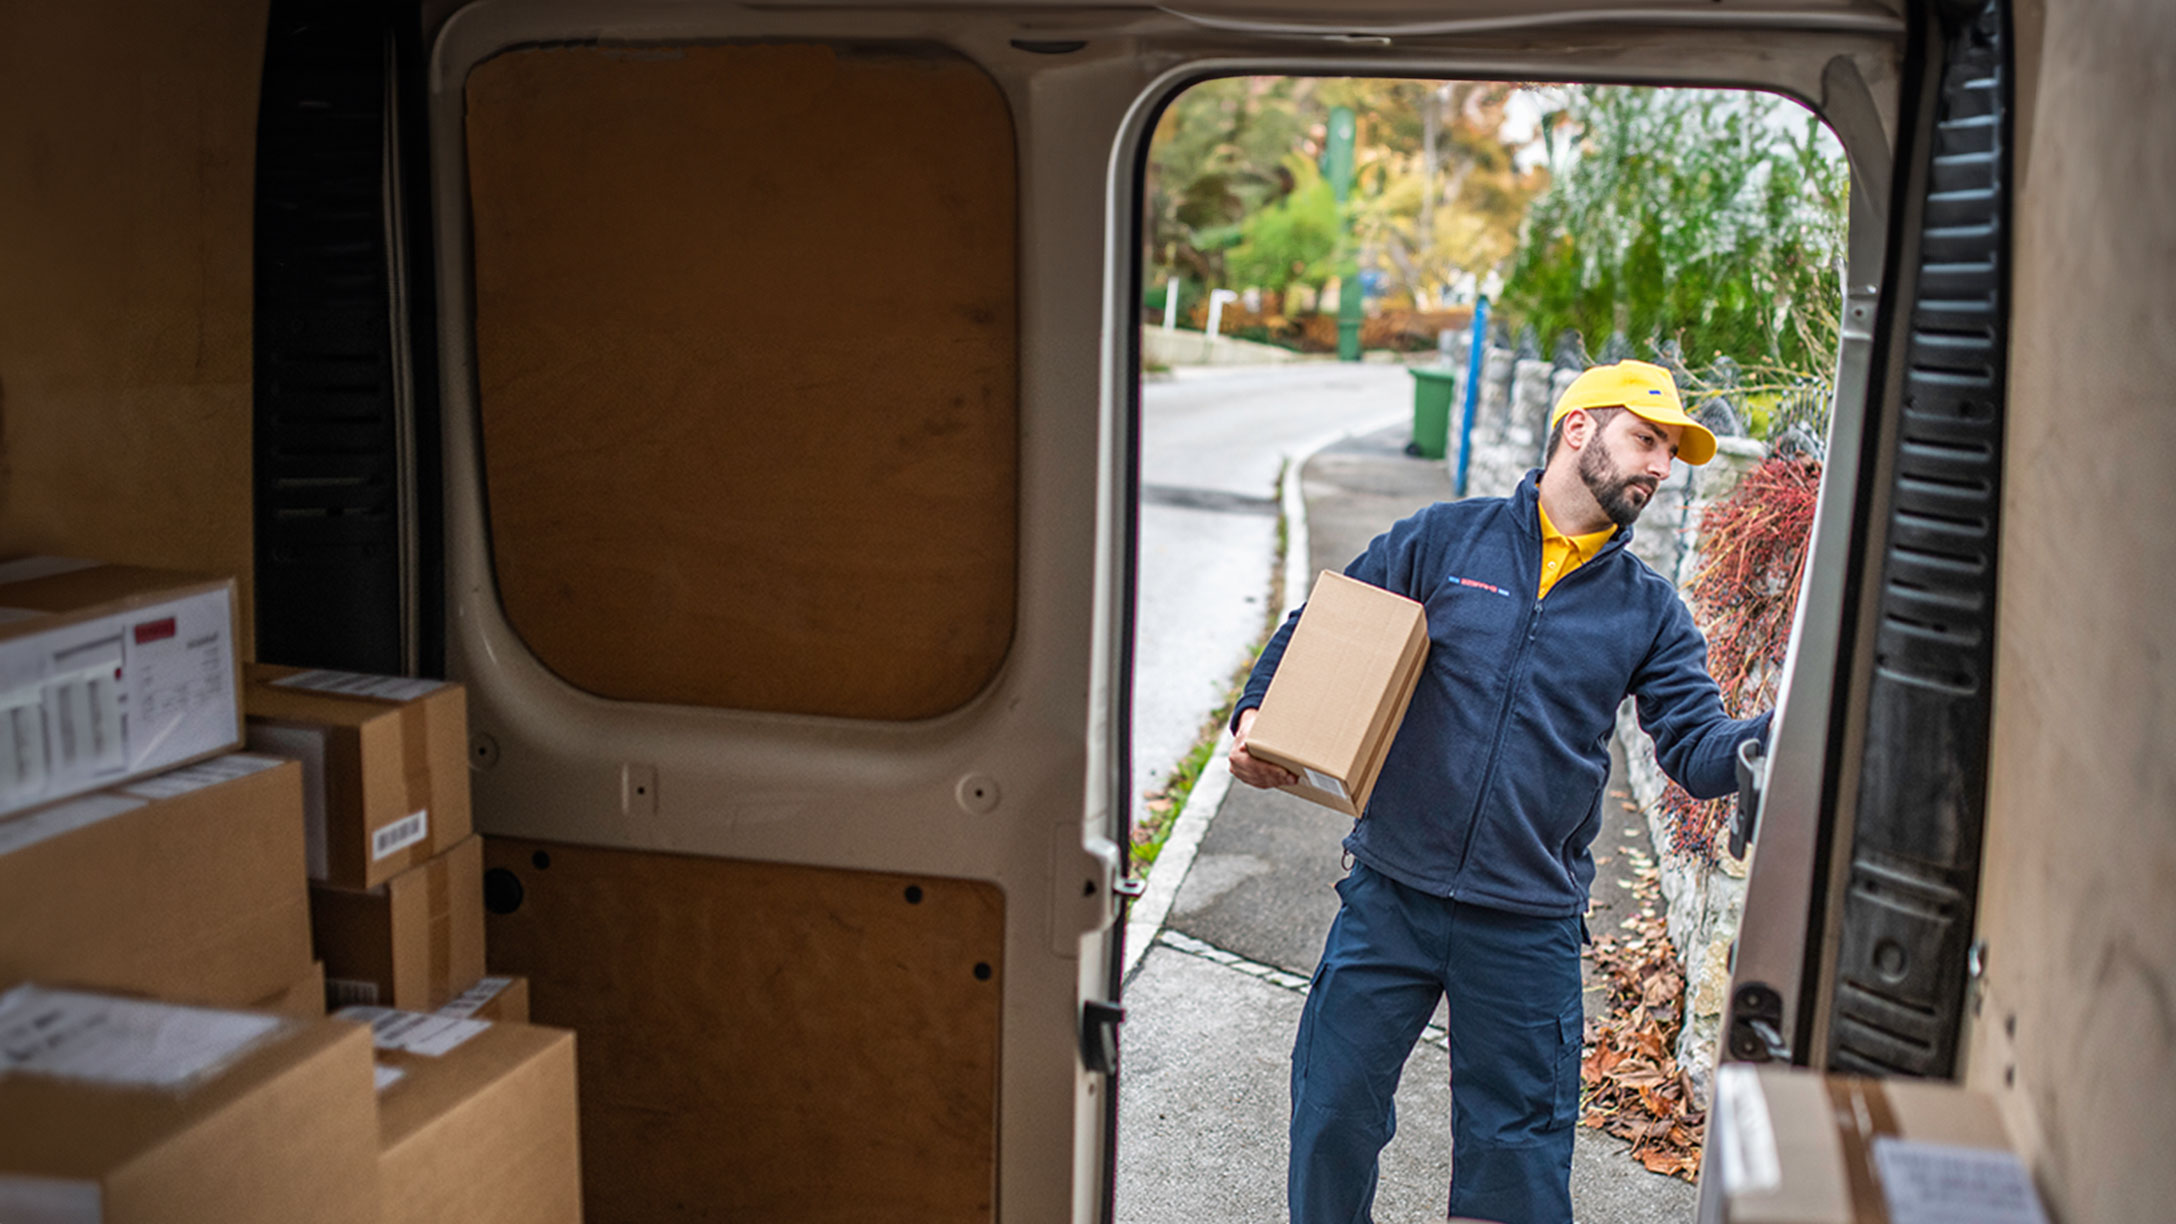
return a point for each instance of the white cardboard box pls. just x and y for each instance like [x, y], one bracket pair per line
[110, 673]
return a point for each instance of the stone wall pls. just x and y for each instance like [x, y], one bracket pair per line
[1704, 901]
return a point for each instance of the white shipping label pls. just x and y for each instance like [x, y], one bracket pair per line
[355, 684]
[350, 992]
[401, 834]
[307, 745]
[1324, 782]
[25, 1199]
[21, 831]
[416, 1032]
[128, 1043]
[473, 999]
[1942, 1183]
[1746, 1138]
[202, 774]
[386, 1076]
[180, 666]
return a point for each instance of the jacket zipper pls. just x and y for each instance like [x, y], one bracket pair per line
[1496, 747]
[1503, 710]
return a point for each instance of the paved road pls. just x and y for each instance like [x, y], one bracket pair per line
[1213, 442]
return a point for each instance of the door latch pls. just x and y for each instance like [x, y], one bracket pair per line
[1756, 1025]
[1752, 778]
[1099, 1023]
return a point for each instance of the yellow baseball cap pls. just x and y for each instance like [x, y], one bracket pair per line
[1647, 390]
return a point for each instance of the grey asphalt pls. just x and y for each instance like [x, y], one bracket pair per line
[1213, 442]
[1212, 1007]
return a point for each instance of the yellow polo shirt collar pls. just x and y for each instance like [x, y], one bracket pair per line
[1561, 554]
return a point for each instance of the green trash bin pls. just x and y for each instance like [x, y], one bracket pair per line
[1432, 391]
[1348, 339]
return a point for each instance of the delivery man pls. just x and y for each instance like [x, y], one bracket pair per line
[1470, 867]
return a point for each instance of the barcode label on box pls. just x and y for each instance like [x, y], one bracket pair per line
[355, 684]
[350, 992]
[473, 999]
[387, 1076]
[125, 1042]
[401, 834]
[204, 773]
[1942, 1183]
[416, 1032]
[1324, 782]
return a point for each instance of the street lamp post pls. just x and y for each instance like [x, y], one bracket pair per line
[1337, 159]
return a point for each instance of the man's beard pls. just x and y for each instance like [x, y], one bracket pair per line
[1612, 486]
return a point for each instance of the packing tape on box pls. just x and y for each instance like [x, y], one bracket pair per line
[1863, 1114]
[438, 882]
[415, 751]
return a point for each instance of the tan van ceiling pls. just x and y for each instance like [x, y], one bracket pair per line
[1445, 16]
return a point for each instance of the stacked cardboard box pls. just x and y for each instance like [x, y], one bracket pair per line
[108, 673]
[126, 1111]
[164, 1054]
[396, 877]
[385, 766]
[186, 886]
[415, 941]
[476, 1119]
[476, 1114]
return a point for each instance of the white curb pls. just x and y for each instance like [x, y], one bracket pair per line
[1146, 917]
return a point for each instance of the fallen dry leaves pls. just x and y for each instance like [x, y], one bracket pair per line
[1631, 1084]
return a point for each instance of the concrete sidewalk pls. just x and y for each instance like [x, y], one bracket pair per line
[1213, 1003]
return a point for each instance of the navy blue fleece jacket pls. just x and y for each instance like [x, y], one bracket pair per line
[1492, 791]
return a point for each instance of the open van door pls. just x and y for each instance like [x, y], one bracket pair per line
[1962, 866]
[783, 572]
[1856, 946]
[785, 358]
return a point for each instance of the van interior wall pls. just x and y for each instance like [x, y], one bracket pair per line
[760, 1041]
[746, 371]
[2076, 1029]
[746, 349]
[127, 150]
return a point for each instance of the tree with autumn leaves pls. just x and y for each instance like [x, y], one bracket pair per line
[1713, 219]
[1235, 198]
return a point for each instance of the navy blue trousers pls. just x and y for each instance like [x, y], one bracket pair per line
[1515, 1023]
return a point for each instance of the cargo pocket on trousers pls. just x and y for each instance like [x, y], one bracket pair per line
[1571, 1041]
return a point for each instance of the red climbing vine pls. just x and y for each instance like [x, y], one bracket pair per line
[1752, 555]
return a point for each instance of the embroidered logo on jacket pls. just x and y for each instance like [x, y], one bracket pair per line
[1478, 585]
